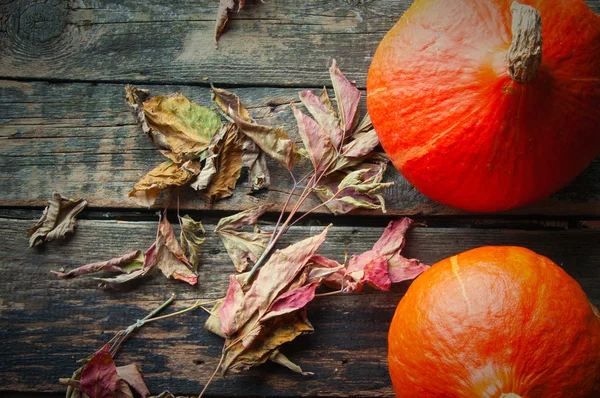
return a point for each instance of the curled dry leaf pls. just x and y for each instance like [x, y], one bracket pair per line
[347, 97]
[380, 266]
[342, 193]
[274, 141]
[316, 140]
[124, 264]
[225, 7]
[223, 164]
[169, 256]
[57, 221]
[257, 319]
[244, 248]
[190, 241]
[255, 159]
[165, 175]
[132, 376]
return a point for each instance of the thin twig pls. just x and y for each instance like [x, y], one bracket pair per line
[215, 372]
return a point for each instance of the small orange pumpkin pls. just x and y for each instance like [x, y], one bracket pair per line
[492, 322]
[488, 105]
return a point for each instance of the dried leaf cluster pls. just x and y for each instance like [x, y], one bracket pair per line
[264, 307]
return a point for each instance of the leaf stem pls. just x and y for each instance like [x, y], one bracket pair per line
[215, 372]
[122, 335]
[197, 304]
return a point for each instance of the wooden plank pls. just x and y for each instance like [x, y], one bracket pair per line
[80, 140]
[47, 324]
[157, 41]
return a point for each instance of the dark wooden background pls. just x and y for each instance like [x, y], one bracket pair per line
[64, 127]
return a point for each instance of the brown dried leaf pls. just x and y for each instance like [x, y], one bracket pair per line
[225, 6]
[190, 241]
[255, 160]
[124, 264]
[268, 339]
[223, 166]
[131, 374]
[165, 175]
[244, 248]
[282, 360]
[57, 221]
[274, 141]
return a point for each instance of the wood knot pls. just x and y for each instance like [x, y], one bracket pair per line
[38, 22]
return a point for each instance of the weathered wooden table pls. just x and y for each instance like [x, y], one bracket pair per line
[64, 127]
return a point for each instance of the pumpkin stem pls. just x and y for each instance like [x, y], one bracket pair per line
[525, 53]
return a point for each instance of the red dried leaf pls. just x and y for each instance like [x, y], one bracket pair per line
[170, 258]
[231, 307]
[99, 377]
[370, 267]
[292, 300]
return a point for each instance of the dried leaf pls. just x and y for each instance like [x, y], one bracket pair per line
[320, 108]
[99, 377]
[230, 310]
[382, 265]
[282, 360]
[73, 384]
[123, 390]
[244, 248]
[124, 264]
[276, 275]
[174, 123]
[165, 175]
[274, 141]
[357, 189]
[268, 339]
[223, 166]
[131, 374]
[347, 97]
[189, 239]
[225, 6]
[391, 244]
[361, 145]
[57, 221]
[255, 160]
[292, 300]
[170, 258]
[316, 141]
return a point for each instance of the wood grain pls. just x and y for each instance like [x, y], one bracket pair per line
[80, 139]
[172, 42]
[47, 323]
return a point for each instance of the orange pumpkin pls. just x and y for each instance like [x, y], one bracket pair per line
[477, 122]
[494, 321]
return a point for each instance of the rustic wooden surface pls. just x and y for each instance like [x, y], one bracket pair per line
[64, 127]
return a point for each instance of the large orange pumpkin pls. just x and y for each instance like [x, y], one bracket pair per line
[493, 321]
[476, 126]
